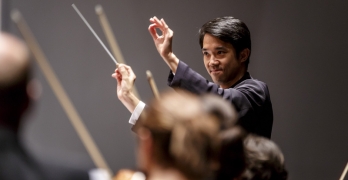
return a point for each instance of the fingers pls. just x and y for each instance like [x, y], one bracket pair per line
[152, 30]
[121, 69]
[169, 32]
[119, 80]
[118, 75]
[156, 23]
[164, 23]
[124, 72]
[130, 72]
[161, 24]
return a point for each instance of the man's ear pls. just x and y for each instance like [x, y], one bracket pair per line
[244, 55]
[143, 133]
[34, 89]
[145, 140]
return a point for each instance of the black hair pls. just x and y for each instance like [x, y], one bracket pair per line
[232, 157]
[14, 100]
[230, 30]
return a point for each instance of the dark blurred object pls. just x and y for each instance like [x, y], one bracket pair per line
[15, 87]
[265, 160]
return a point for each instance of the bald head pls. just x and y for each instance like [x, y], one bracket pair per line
[14, 75]
[14, 60]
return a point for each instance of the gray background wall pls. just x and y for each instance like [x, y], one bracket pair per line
[299, 49]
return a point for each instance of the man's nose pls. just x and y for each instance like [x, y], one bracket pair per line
[213, 61]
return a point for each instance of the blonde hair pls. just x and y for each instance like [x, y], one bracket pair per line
[185, 136]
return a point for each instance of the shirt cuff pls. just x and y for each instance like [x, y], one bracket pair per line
[98, 174]
[138, 176]
[136, 113]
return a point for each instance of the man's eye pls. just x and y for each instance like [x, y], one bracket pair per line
[205, 53]
[220, 52]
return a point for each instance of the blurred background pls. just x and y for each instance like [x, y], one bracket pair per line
[299, 48]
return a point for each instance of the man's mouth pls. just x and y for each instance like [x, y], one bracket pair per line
[215, 71]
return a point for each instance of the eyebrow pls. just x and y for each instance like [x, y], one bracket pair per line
[217, 48]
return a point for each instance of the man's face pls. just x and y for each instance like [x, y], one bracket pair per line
[221, 61]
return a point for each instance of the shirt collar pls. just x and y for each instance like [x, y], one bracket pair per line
[245, 77]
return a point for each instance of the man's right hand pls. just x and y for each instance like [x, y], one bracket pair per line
[163, 42]
[125, 81]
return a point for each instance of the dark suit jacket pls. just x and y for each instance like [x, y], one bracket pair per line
[17, 164]
[249, 96]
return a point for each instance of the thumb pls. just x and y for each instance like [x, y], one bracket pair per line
[118, 78]
[152, 30]
[123, 71]
[113, 75]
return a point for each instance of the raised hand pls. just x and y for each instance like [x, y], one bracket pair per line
[163, 42]
[125, 81]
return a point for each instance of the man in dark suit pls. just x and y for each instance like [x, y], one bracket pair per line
[15, 95]
[226, 48]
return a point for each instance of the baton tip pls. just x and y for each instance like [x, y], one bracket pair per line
[98, 9]
[15, 15]
[148, 74]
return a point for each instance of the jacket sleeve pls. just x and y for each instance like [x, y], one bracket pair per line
[248, 96]
[250, 92]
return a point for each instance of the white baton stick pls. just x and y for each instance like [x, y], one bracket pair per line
[95, 34]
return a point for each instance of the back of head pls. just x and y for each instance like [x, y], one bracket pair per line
[14, 73]
[265, 160]
[232, 154]
[230, 30]
[185, 136]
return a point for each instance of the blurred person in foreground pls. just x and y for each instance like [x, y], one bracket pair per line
[260, 156]
[176, 134]
[265, 160]
[179, 139]
[16, 92]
